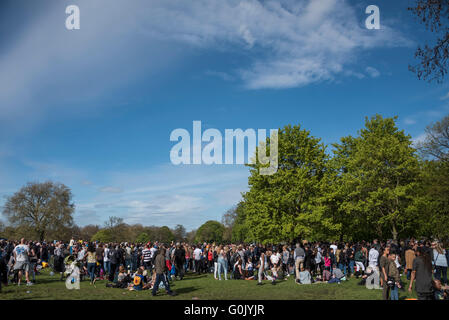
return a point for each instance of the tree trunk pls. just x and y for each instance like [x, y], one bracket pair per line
[394, 233]
[41, 236]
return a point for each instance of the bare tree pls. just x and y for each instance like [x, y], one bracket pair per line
[434, 14]
[436, 142]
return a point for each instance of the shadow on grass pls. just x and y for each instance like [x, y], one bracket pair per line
[185, 290]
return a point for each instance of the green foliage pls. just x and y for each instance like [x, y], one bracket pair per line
[210, 231]
[143, 238]
[377, 178]
[431, 207]
[104, 235]
[165, 235]
[371, 186]
[42, 208]
[280, 207]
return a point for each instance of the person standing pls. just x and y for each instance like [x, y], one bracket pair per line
[383, 273]
[197, 253]
[106, 261]
[422, 273]
[147, 257]
[114, 259]
[222, 264]
[160, 268]
[91, 262]
[439, 261]
[298, 255]
[22, 264]
[393, 277]
[179, 259]
[409, 257]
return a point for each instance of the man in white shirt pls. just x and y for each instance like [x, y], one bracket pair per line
[106, 261]
[21, 261]
[197, 258]
[334, 246]
[373, 257]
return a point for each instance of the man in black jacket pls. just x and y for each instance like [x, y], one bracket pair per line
[180, 257]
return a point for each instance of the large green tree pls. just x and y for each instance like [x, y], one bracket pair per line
[379, 178]
[210, 231]
[281, 206]
[43, 207]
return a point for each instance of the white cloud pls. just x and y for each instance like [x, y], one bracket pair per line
[419, 139]
[372, 72]
[409, 120]
[168, 195]
[287, 43]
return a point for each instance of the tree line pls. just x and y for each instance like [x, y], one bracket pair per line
[378, 184]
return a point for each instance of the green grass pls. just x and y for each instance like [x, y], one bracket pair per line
[203, 287]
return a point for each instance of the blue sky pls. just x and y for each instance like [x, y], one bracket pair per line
[94, 108]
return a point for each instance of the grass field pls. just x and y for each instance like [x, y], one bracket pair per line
[202, 287]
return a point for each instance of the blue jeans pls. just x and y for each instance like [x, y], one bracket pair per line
[351, 266]
[342, 267]
[441, 274]
[159, 278]
[394, 293]
[32, 272]
[134, 263]
[91, 271]
[334, 280]
[409, 274]
[222, 267]
[107, 267]
[128, 264]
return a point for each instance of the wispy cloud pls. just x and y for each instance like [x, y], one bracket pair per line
[287, 44]
[372, 72]
[168, 195]
[110, 190]
[445, 97]
[222, 75]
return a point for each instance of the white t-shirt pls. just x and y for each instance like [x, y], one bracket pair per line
[197, 254]
[153, 251]
[275, 258]
[333, 246]
[21, 252]
[81, 254]
[106, 253]
[372, 257]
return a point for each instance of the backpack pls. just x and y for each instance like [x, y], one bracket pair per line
[137, 280]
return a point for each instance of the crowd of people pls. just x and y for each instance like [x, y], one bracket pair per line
[136, 266]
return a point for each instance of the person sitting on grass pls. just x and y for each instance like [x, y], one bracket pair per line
[304, 276]
[440, 292]
[238, 271]
[138, 281]
[337, 276]
[122, 280]
[249, 270]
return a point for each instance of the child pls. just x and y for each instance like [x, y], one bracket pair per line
[138, 281]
